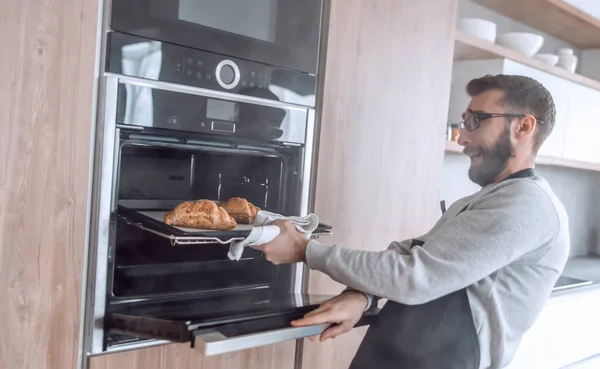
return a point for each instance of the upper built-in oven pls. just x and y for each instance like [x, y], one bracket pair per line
[281, 33]
[266, 49]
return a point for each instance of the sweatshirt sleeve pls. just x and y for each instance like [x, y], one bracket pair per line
[501, 227]
[402, 247]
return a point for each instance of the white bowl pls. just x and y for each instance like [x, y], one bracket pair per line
[523, 42]
[479, 28]
[550, 59]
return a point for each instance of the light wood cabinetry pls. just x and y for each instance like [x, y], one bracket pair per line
[181, 356]
[387, 84]
[46, 100]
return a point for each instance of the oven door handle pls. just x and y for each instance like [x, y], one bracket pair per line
[212, 342]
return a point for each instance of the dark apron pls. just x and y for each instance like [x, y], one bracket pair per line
[439, 334]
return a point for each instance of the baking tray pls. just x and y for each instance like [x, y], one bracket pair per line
[153, 221]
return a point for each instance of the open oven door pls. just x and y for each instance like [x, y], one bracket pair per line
[222, 324]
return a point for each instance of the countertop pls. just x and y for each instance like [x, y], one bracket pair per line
[581, 267]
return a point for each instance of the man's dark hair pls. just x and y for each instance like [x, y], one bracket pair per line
[521, 95]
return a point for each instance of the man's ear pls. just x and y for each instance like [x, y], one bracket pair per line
[526, 126]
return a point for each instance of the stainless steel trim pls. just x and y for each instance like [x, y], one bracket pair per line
[307, 169]
[205, 92]
[212, 342]
[322, 57]
[101, 215]
[308, 162]
[224, 150]
[115, 171]
[132, 346]
[133, 128]
[236, 73]
[86, 319]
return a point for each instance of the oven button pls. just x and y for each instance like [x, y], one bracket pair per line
[225, 127]
[227, 74]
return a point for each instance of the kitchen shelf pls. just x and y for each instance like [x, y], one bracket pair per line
[455, 148]
[554, 17]
[467, 47]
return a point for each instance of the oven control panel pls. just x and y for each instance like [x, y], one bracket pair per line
[139, 57]
[163, 109]
[214, 71]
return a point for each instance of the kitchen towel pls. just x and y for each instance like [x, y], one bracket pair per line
[264, 231]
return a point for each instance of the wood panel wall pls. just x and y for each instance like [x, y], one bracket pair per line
[46, 99]
[180, 356]
[383, 118]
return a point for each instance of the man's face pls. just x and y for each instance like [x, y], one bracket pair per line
[490, 145]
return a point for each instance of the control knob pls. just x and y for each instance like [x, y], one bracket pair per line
[227, 74]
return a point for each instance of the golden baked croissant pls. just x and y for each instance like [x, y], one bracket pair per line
[243, 211]
[203, 214]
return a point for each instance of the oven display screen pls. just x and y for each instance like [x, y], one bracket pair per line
[250, 18]
[222, 110]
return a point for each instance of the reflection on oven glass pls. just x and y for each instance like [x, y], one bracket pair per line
[143, 59]
[222, 110]
[255, 191]
[297, 96]
[256, 18]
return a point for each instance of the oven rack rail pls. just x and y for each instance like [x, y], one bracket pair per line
[203, 240]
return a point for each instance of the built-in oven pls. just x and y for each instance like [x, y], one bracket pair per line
[163, 144]
[281, 33]
[200, 100]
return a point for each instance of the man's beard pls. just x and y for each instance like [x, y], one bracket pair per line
[493, 161]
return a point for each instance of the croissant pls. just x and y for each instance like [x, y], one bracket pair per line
[243, 211]
[203, 214]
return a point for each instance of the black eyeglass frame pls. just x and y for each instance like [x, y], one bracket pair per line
[481, 116]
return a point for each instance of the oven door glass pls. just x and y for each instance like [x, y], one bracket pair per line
[282, 33]
[222, 324]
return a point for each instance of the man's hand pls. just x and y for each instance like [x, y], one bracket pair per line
[288, 247]
[344, 311]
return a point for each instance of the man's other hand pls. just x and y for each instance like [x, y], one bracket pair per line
[343, 311]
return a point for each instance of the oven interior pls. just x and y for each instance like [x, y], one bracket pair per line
[147, 266]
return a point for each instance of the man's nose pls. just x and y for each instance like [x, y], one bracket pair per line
[463, 137]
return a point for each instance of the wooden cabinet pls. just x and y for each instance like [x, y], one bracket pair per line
[181, 356]
[46, 100]
[383, 120]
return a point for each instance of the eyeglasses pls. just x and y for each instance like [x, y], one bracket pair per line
[473, 120]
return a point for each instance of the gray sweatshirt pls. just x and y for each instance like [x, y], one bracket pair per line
[507, 248]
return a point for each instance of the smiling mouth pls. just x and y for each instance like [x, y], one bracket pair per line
[473, 155]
